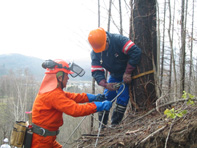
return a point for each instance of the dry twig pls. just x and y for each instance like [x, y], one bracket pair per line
[169, 133]
[152, 134]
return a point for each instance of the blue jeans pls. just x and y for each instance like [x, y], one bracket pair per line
[124, 96]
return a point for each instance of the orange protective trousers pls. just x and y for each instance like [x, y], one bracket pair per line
[44, 142]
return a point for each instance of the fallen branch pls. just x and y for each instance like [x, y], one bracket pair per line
[152, 134]
[169, 133]
[132, 132]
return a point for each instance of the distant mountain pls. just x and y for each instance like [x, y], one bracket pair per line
[17, 62]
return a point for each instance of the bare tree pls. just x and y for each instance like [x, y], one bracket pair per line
[171, 47]
[163, 44]
[195, 80]
[172, 61]
[93, 80]
[120, 12]
[158, 90]
[24, 90]
[182, 50]
[191, 50]
[20, 90]
[108, 29]
[109, 16]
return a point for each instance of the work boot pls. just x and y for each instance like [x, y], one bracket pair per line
[105, 119]
[118, 114]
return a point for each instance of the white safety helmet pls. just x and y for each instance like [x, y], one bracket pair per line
[6, 140]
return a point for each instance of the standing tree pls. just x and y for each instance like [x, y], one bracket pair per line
[120, 10]
[163, 44]
[144, 35]
[191, 50]
[93, 80]
[172, 61]
[182, 51]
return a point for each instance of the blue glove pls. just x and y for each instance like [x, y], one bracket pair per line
[98, 98]
[101, 106]
[91, 97]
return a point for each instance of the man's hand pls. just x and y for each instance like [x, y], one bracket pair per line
[127, 78]
[100, 98]
[111, 86]
[103, 106]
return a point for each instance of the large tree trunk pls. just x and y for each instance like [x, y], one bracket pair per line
[143, 33]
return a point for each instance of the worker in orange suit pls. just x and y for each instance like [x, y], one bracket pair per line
[51, 102]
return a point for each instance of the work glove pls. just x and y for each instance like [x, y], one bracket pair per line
[98, 98]
[109, 86]
[127, 75]
[103, 106]
[127, 78]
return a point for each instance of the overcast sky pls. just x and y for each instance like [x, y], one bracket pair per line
[47, 28]
[51, 29]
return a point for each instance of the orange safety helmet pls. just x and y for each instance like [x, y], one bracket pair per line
[49, 81]
[53, 67]
[97, 39]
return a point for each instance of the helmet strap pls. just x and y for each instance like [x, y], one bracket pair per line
[62, 81]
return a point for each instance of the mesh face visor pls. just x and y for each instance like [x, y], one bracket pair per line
[78, 71]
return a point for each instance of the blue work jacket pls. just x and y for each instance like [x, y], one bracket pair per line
[120, 52]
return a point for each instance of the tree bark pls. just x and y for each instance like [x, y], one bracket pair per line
[144, 36]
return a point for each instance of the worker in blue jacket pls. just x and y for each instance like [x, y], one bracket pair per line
[118, 55]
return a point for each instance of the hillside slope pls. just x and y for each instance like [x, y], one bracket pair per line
[148, 130]
[18, 62]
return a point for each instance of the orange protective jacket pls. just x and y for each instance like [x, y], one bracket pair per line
[48, 109]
